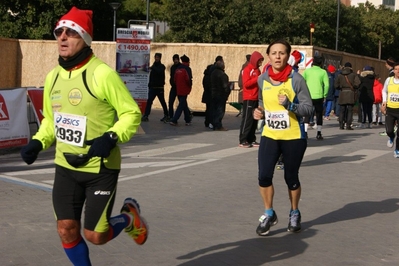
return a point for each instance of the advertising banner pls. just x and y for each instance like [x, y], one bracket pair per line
[133, 61]
[14, 127]
[36, 98]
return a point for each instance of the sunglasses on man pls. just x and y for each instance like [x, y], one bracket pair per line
[68, 32]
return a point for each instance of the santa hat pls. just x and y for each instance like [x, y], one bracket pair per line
[80, 21]
[297, 55]
[331, 69]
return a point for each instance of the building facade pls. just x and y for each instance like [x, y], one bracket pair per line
[393, 4]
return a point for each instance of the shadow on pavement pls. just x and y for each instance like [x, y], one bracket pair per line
[261, 250]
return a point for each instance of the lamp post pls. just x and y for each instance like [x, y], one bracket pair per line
[336, 32]
[311, 31]
[148, 14]
[115, 7]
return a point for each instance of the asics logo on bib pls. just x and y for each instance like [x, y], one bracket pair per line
[58, 118]
[102, 193]
[274, 116]
[67, 121]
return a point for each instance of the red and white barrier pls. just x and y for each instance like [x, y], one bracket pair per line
[14, 126]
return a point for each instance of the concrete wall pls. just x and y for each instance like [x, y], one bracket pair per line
[26, 62]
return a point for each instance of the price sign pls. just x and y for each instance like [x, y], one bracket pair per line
[133, 48]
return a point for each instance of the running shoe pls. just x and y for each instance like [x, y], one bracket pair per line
[265, 223]
[384, 133]
[390, 143]
[245, 145]
[173, 123]
[319, 137]
[144, 118]
[255, 144]
[138, 229]
[280, 166]
[165, 119]
[396, 153]
[188, 123]
[294, 222]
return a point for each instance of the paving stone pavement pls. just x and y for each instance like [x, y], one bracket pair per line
[199, 193]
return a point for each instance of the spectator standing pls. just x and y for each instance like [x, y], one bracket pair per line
[184, 83]
[247, 57]
[390, 107]
[283, 100]
[83, 89]
[317, 80]
[366, 97]
[220, 92]
[328, 104]
[250, 74]
[173, 92]
[348, 83]
[207, 94]
[377, 91]
[156, 88]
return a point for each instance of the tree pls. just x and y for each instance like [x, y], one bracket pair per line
[219, 21]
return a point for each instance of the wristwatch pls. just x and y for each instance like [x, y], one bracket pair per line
[113, 135]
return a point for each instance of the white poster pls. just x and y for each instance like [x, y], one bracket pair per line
[133, 61]
[14, 126]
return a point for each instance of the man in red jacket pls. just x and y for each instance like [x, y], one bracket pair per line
[250, 76]
[183, 80]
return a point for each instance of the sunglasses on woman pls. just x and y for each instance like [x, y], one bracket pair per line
[68, 32]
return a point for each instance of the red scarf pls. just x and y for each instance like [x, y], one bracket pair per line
[281, 76]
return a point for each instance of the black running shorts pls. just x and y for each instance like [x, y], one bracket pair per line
[73, 189]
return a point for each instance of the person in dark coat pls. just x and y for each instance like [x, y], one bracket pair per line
[156, 88]
[348, 83]
[220, 90]
[173, 91]
[207, 94]
[366, 97]
[328, 104]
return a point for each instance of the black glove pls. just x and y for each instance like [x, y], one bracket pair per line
[29, 152]
[101, 146]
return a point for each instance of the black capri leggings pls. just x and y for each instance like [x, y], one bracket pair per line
[269, 152]
[318, 109]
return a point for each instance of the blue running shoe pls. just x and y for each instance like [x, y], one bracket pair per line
[263, 228]
[294, 222]
[396, 153]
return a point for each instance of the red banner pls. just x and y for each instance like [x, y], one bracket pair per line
[36, 98]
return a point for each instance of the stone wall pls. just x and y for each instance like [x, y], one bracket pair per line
[26, 62]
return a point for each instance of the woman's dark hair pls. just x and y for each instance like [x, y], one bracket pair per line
[281, 41]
